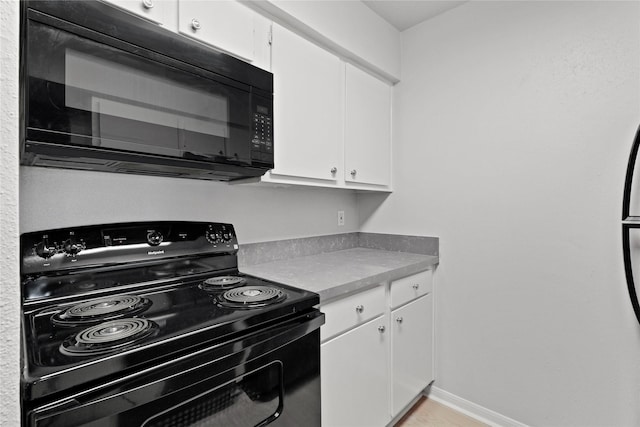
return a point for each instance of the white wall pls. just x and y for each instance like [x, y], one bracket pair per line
[9, 272]
[53, 198]
[513, 125]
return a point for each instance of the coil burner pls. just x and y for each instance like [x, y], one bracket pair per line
[108, 336]
[251, 297]
[219, 283]
[101, 310]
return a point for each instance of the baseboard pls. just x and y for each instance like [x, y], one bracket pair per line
[471, 409]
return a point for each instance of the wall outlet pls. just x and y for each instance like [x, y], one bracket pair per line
[340, 217]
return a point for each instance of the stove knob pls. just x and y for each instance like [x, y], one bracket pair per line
[213, 237]
[154, 238]
[43, 250]
[71, 247]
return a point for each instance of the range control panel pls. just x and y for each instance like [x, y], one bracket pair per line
[70, 248]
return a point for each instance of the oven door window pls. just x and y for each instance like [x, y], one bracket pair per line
[254, 399]
[235, 398]
[82, 92]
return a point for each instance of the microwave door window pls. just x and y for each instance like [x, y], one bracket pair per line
[131, 107]
[82, 92]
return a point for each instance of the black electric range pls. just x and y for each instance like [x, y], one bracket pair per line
[110, 310]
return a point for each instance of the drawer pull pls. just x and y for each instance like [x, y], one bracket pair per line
[381, 329]
[359, 308]
[416, 286]
[399, 319]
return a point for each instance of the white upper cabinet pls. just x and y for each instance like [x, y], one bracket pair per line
[162, 12]
[348, 28]
[331, 119]
[308, 83]
[367, 128]
[225, 24]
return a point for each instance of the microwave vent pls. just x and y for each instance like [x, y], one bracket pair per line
[169, 171]
[76, 163]
[151, 173]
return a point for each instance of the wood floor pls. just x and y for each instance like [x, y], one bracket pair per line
[429, 413]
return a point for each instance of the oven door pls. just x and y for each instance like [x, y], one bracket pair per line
[269, 377]
[102, 95]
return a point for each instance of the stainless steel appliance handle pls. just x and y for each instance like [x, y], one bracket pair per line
[628, 223]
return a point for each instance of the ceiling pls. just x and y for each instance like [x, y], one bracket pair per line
[404, 14]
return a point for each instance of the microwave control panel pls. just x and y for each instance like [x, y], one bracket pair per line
[262, 138]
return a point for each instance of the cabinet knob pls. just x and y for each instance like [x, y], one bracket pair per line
[195, 24]
[354, 172]
[416, 286]
[359, 308]
[399, 319]
[381, 329]
[334, 170]
[147, 4]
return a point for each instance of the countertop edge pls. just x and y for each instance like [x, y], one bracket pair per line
[342, 290]
[336, 287]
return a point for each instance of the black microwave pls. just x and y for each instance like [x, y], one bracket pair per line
[103, 89]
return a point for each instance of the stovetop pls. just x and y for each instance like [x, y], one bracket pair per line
[184, 316]
[88, 324]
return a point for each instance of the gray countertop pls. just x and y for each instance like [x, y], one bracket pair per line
[333, 274]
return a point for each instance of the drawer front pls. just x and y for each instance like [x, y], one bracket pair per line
[351, 311]
[411, 287]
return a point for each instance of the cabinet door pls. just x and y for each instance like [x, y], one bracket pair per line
[227, 25]
[161, 12]
[367, 129]
[411, 350]
[354, 377]
[307, 108]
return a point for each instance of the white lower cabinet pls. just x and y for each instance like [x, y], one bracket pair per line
[411, 351]
[354, 377]
[377, 352]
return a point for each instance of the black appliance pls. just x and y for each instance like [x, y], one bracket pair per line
[152, 324]
[105, 90]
